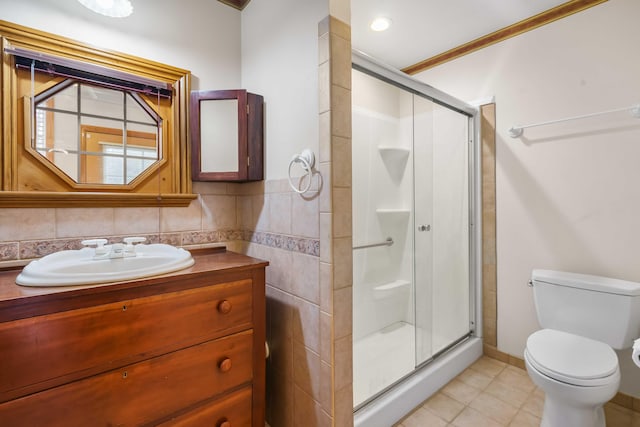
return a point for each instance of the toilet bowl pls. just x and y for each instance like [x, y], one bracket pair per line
[577, 374]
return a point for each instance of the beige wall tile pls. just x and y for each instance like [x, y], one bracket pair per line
[279, 270]
[343, 267]
[343, 369]
[182, 219]
[277, 186]
[245, 212]
[280, 212]
[307, 412]
[305, 219]
[340, 111]
[261, 215]
[323, 26]
[280, 400]
[306, 324]
[219, 212]
[326, 337]
[343, 404]
[326, 236]
[210, 187]
[27, 224]
[324, 87]
[342, 316]
[306, 370]
[340, 61]
[339, 28]
[324, 133]
[305, 277]
[341, 212]
[325, 202]
[84, 222]
[326, 387]
[280, 307]
[341, 161]
[136, 220]
[323, 48]
[326, 287]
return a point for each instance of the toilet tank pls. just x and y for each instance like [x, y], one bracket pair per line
[604, 309]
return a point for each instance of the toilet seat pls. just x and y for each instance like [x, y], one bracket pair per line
[571, 359]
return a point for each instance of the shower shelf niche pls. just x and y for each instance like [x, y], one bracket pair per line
[393, 213]
[387, 290]
[394, 158]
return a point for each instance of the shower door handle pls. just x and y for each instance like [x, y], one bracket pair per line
[424, 228]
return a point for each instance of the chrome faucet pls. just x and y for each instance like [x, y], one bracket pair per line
[115, 250]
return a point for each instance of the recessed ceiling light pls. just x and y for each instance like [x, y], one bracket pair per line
[111, 8]
[381, 23]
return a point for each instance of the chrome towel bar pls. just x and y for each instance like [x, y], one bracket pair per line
[387, 242]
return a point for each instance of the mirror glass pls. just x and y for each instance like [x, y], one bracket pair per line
[219, 135]
[94, 134]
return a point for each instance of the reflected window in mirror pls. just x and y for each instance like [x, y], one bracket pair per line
[96, 135]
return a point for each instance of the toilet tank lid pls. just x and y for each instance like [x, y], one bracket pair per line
[586, 281]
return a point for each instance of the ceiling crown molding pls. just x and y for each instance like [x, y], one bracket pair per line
[546, 17]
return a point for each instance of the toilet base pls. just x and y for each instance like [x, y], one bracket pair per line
[558, 413]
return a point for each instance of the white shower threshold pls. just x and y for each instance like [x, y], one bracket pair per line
[393, 405]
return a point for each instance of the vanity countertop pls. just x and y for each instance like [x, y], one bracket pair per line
[23, 300]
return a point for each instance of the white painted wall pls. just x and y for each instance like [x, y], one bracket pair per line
[202, 36]
[567, 195]
[280, 62]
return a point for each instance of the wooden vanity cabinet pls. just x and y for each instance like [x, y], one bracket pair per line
[183, 349]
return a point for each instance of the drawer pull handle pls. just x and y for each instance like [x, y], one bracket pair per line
[224, 307]
[223, 423]
[225, 365]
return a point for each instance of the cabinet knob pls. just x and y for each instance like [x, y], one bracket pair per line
[224, 306]
[223, 423]
[225, 365]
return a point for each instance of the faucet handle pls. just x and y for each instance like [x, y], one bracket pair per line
[97, 242]
[132, 240]
[100, 251]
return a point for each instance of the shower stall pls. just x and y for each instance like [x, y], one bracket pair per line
[414, 240]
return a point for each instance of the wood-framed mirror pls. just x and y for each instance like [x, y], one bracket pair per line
[227, 136]
[89, 127]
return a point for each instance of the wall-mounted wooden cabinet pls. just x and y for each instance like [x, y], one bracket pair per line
[227, 132]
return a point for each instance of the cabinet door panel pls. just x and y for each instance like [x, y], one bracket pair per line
[44, 351]
[140, 393]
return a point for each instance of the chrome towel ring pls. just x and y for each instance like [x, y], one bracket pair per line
[307, 160]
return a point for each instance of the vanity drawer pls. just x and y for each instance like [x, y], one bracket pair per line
[140, 393]
[234, 409]
[45, 351]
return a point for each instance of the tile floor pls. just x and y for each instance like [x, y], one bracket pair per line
[491, 393]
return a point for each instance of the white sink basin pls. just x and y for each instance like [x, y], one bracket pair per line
[78, 267]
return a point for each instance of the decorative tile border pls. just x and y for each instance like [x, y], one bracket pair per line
[289, 243]
[30, 249]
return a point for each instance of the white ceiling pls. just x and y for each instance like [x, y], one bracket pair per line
[424, 28]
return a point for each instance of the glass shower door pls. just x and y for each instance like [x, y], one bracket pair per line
[441, 227]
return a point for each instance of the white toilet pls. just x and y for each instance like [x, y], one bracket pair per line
[572, 359]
